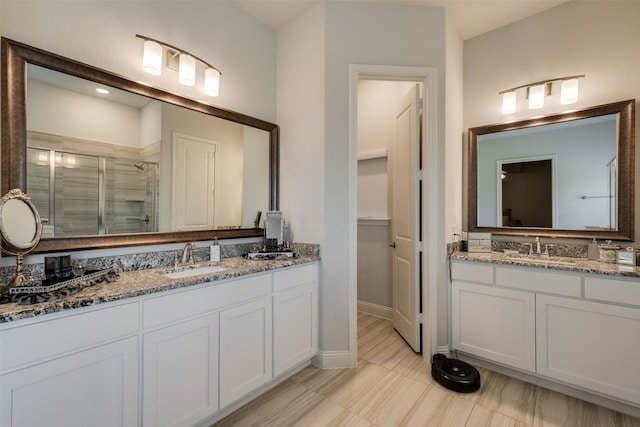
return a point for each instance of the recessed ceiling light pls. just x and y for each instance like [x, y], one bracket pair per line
[102, 91]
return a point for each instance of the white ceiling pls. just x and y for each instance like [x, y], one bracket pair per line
[469, 17]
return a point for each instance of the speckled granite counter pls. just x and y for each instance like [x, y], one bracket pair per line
[142, 282]
[581, 265]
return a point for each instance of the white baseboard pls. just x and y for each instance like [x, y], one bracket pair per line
[567, 389]
[443, 349]
[332, 360]
[375, 309]
[223, 412]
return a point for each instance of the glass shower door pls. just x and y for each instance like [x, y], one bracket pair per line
[130, 189]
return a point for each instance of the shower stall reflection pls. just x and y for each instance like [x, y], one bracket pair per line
[83, 194]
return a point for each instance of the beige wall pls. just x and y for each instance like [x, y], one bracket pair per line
[102, 34]
[314, 55]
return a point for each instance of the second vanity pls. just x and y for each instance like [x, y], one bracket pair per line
[571, 323]
[156, 351]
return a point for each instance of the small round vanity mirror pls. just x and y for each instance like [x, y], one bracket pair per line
[20, 228]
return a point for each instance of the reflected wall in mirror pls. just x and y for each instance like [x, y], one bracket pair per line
[567, 175]
[134, 166]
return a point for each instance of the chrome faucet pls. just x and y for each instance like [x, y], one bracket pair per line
[538, 250]
[187, 253]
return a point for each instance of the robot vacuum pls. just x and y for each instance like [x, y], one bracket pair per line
[454, 374]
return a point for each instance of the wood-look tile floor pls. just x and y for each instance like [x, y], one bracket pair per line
[392, 386]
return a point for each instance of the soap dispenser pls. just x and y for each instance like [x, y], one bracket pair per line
[215, 251]
[592, 250]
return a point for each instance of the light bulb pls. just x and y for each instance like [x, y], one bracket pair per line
[152, 58]
[211, 82]
[569, 91]
[509, 102]
[536, 96]
[187, 70]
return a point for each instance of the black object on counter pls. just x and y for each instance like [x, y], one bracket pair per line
[57, 268]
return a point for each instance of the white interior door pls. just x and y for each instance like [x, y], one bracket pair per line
[193, 185]
[404, 223]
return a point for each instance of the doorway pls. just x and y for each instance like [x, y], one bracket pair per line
[427, 265]
[531, 208]
[377, 100]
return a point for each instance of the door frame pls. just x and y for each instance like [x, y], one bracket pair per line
[431, 181]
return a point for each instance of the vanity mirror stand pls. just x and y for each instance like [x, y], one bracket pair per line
[20, 228]
[275, 244]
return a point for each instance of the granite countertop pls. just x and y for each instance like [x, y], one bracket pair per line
[579, 265]
[143, 282]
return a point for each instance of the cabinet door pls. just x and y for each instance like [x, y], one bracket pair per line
[295, 326]
[493, 323]
[591, 345]
[180, 378]
[245, 349]
[96, 387]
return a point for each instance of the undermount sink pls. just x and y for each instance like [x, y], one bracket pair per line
[193, 271]
[555, 262]
[541, 260]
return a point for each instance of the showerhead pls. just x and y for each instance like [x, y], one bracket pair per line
[139, 166]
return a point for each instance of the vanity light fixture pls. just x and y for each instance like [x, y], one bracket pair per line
[180, 60]
[537, 91]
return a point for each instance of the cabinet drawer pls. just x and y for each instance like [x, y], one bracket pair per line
[181, 305]
[30, 343]
[472, 272]
[539, 281]
[294, 276]
[620, 291]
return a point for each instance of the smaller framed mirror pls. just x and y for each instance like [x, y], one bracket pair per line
[21, 229]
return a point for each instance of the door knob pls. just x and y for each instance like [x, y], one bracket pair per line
[392, 245]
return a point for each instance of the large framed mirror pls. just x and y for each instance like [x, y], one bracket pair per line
[567, 175]
[112, 173]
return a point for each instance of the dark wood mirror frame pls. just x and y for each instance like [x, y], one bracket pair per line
[15, 57]
[626, 173]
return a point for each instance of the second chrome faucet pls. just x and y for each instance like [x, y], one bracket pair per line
[538, 250]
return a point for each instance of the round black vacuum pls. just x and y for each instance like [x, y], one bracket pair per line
[455, 374]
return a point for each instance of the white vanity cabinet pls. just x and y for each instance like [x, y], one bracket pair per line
[572, 328]
[185, 355]
[496, 324]
[591, 345]
[245, 349]
[186, 343]
[208, 347]
[71, 370]
[295, 316]
[180, 377]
